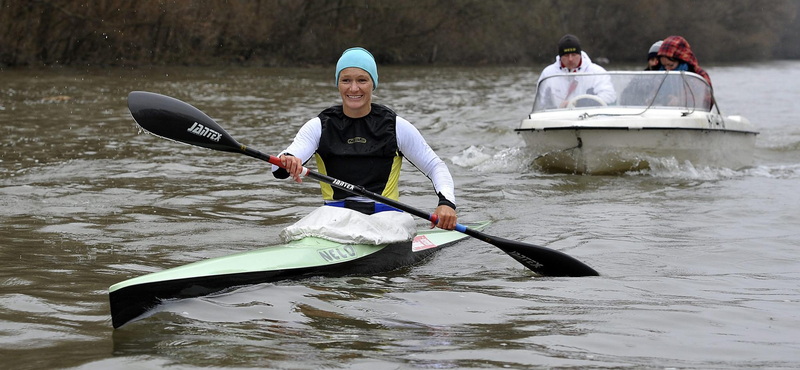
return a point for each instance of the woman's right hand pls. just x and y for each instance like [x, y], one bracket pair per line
[293, 165]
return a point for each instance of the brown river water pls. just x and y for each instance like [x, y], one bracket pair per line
[700, 267]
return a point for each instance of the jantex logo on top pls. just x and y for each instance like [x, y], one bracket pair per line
[204, 131]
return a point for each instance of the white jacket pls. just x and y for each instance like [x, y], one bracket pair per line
[595, 85]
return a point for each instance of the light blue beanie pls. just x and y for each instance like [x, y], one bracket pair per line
[360, 58]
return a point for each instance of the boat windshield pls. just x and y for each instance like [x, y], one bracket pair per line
[654, 89]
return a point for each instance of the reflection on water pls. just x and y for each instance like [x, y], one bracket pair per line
[698, 264]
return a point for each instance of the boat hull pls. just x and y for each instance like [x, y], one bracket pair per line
[296, 260]
[613, 150]
[614, 122]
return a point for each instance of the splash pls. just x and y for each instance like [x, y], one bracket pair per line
[671, 168]
[515, 159]
[791, 171]
[505, 160]
[471, 157]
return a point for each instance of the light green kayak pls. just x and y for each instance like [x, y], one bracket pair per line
[295, 260]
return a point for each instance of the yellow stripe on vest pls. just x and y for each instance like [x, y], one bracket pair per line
[327, 190]
[392, 189]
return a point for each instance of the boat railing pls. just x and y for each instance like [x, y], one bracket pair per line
[685, 91]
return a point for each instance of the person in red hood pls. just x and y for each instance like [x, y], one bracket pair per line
[675, 54]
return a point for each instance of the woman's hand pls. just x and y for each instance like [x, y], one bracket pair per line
[293, 165]
[447, 217]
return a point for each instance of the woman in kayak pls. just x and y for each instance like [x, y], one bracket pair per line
[363, 143]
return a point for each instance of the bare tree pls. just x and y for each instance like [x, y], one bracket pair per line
[309, 32]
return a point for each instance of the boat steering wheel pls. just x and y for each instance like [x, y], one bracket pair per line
[574, 100]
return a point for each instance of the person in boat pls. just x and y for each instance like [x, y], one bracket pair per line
[653, 63]
[641, 90]
[675, 54]
[558, 92]
[364, 143]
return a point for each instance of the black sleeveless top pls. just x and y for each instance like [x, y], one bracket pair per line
[361, 151]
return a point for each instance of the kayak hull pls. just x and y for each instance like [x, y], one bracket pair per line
[308, 257]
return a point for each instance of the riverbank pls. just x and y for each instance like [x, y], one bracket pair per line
[271, 33]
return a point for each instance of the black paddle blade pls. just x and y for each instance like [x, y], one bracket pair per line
[544, 261]
[173, 119]
[541, 260]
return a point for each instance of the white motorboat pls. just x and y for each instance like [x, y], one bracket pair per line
[613, 122]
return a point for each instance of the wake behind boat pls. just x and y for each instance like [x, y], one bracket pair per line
[298, 259]
[647, 116]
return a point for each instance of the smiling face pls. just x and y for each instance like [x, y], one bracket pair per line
[669, 63]
[355, 87]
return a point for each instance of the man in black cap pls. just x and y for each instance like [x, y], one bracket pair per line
[571, 59]
[569, 49]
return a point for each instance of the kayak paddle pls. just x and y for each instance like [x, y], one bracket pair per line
[173, 119]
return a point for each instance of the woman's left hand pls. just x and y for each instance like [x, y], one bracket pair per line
[447, 218]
